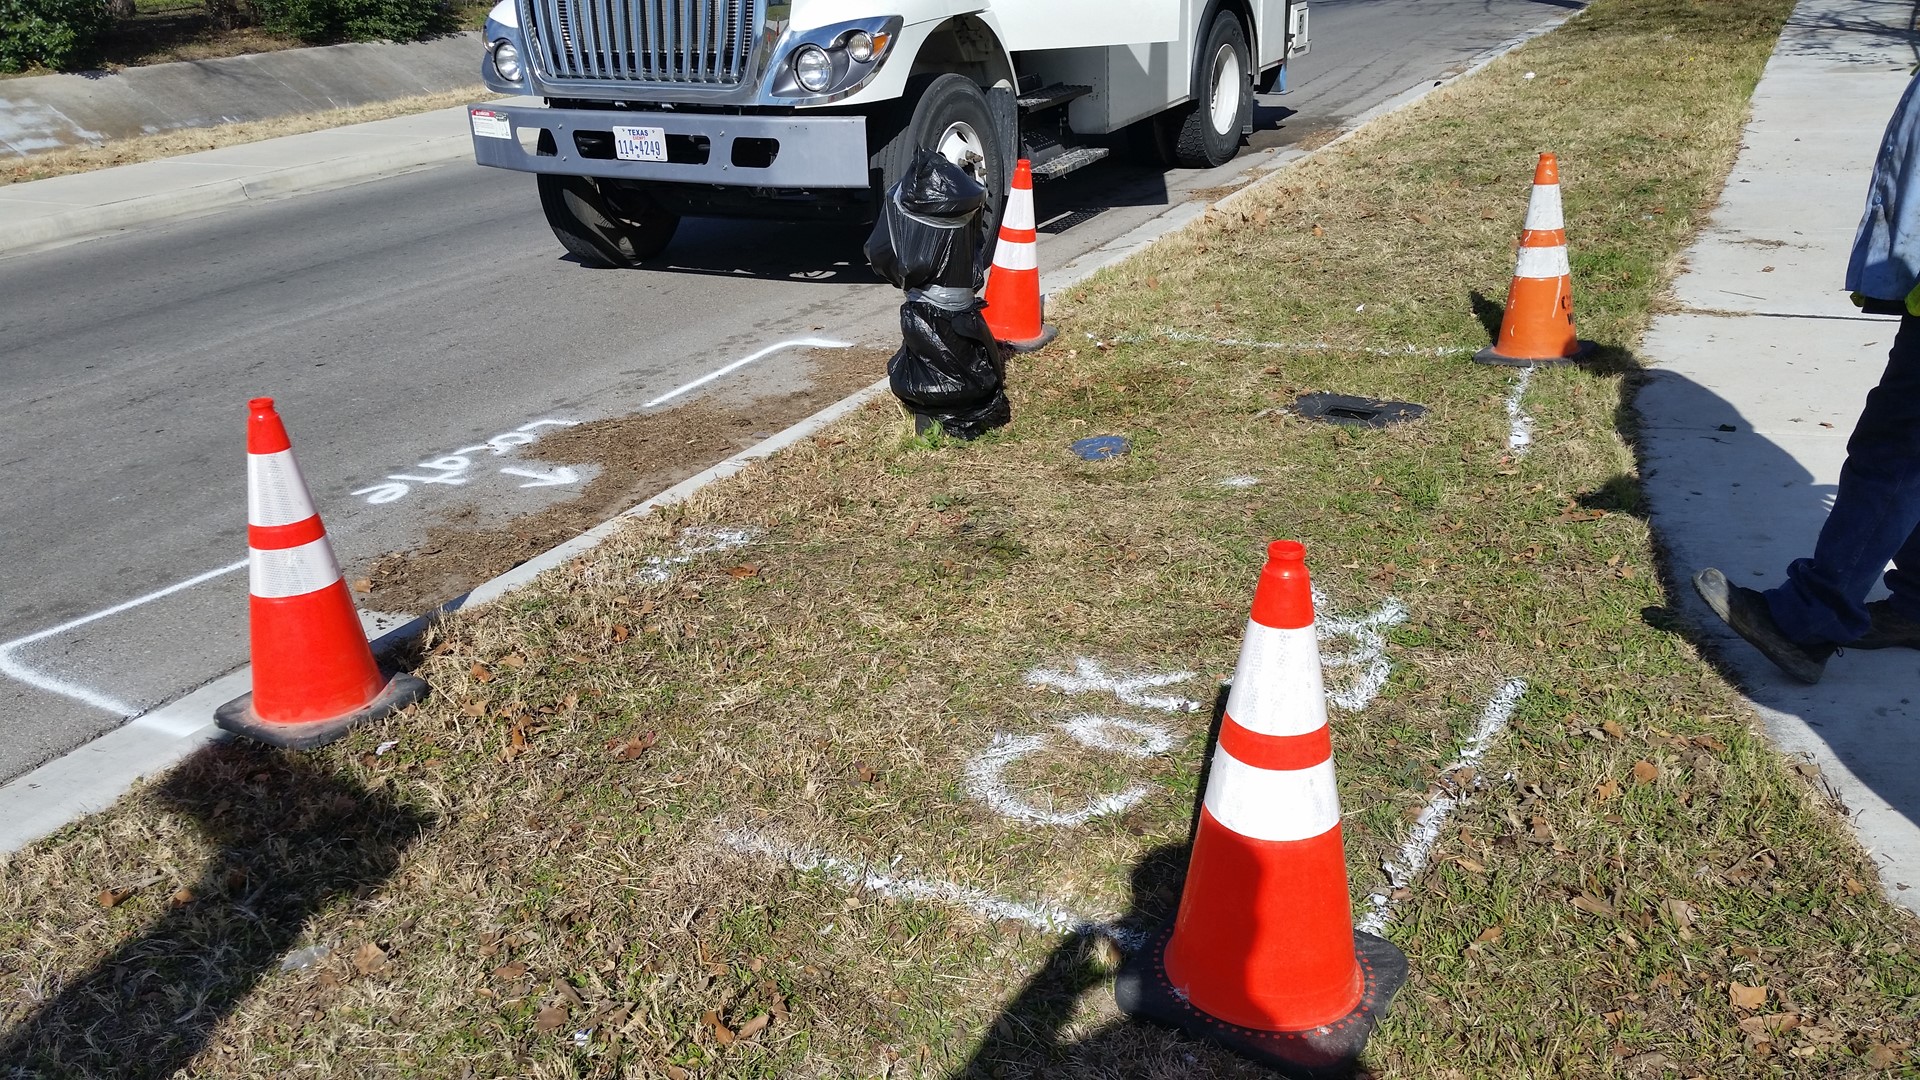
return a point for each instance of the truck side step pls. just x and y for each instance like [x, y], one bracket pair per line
[1061, 164]
[1050, 97]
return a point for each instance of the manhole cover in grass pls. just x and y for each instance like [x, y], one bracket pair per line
[1356, 411]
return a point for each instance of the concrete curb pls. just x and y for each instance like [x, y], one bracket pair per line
[92, 777]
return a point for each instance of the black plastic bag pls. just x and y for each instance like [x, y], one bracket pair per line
[929, 230]
[949, 369]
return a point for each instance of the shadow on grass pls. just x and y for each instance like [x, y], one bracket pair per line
[294, 839]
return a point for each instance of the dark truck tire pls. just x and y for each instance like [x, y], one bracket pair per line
[604, 226]
[1205, 132]
[950, 113]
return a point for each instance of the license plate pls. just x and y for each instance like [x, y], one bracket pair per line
[491, 125]
[639, 143]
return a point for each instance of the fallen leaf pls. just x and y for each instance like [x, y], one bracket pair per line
[620, 633]
[1318, 231]
[480, 673]
[113, 898]
[1489, 215]
[567, 992]
[744, 570]
[755, 1026]
[1592, 905]
[509, 972]
[1882, 1056]
[362, 585]
[1608, 790]
[1746, 997]
[631, 748]
[514, 660]
[721, 1032]
[551, 1018]
[1490, 935]
[868, 774]
[778, 1008]
[1682, 913]
[1645, 772]
[678, 1073]
[1420, 218]
[369, 958]
[1854, 887]
[1469, 865]
[181, 898]
[1613, 728]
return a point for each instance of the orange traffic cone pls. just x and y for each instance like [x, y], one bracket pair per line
[1538, 325]
[314, 676]
[1262, 957]
[1014, 304]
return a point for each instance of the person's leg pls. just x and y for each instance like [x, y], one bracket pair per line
[1904, 578]
[1874, 512]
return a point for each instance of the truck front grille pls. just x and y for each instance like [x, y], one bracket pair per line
[681, 42]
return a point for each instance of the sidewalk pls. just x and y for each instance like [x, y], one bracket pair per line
[1758, 380]
[85, 205]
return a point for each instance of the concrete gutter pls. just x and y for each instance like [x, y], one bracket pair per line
[92, 777]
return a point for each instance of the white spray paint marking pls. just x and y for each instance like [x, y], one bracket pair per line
[986, 782]
[1098, 733]
[796, 343]
[1041, 915]
[1402, 871]
[986, 772]
[1239, 481]
[697, 540]
[557, 478]
[1302, 346]
[1369, 652]
[452, 470]
[1519, 424]
[14, 669]
[1088, 677]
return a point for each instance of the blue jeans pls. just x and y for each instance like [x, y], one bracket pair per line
[1875, 517]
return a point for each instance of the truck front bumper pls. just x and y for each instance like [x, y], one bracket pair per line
[705, 148]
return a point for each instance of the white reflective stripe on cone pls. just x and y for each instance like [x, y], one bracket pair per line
[294, 571]
[276, 492]
[1542, 263]
[1543, 209]
[1272, 804]
[1017, 256]
[1277, 688]
[1019, 209]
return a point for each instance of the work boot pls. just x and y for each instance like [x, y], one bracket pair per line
[1890, 628]
[1746, 611]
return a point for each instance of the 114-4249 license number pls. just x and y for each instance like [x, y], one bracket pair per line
[639, 143]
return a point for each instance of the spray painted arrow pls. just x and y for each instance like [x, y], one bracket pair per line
[557, 478]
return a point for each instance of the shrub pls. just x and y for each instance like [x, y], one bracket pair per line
[353, 20]
[62, 34]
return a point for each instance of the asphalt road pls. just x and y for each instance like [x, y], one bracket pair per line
[401, 320]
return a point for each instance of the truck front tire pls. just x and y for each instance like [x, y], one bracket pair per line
[1205, 133]
[605, 226]
[950, 114]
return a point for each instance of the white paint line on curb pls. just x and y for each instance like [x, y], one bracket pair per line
[1041, 915]
[1402, 872]
[15, 669]
[1519, 424]
[796, 343]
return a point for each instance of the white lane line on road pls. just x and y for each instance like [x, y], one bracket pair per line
[1426, 828]
[1041, 915]
[14, 669]
[796, 343]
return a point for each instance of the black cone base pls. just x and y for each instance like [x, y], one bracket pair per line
[1488, 355]
[238, 717]
[1143, 990]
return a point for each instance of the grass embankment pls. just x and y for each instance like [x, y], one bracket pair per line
[560, 868]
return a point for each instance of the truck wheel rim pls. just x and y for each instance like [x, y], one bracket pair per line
[962, 145]
[1225, 99]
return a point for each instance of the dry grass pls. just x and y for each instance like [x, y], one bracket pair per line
[167, 144]
[545, 876]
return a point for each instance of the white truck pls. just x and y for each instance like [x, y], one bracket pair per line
[806, 109]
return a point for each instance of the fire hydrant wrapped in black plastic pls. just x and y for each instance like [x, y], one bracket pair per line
[930, 240]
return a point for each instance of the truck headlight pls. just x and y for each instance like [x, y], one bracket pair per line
[860, 46]
[506, 60]
[812, 67]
